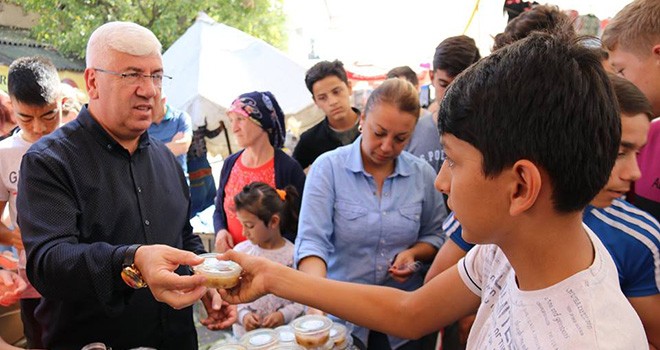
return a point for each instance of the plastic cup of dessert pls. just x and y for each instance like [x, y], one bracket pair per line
[340, 337]
[228, 347]
[219, 274]
[293, 346]
[260, 339]
[286, 334]
[312, 331]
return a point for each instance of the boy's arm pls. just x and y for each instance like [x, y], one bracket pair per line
[450, 253]
[648, 310]
[389, 310]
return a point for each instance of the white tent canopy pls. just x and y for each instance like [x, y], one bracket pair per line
[212, 64]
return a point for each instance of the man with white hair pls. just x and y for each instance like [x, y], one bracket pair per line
[104, 213]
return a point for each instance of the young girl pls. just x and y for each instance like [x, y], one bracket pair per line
[265, 214]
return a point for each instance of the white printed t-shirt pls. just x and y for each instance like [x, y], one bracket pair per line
[585, 311]
[12, 150]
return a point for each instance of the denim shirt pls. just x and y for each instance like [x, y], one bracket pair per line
[357, 233]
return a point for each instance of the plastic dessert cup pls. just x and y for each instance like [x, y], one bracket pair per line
[219, 274]
[312, 331]
[260, 339]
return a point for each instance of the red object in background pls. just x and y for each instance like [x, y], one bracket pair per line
[8, 261]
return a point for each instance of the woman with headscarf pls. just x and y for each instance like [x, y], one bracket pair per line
[257, 122]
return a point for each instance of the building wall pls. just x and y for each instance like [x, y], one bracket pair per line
[13, 16]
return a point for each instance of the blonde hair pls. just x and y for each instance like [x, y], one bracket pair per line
[125, 37]
[635, 28]
[398, 92]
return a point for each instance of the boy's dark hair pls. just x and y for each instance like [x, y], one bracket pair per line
[33, 81]
[454, 54]
[322, 70]
[543, 18]
[404, 72]
[630, 98]
[263, 201]
[546, 99]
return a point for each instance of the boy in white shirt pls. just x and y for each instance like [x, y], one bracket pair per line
[531, 135]
[34, 89]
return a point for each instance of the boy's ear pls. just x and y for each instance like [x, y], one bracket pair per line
[527, 179]
[274, 221]
[656, 52]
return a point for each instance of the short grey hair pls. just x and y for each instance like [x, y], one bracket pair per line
[125, 37]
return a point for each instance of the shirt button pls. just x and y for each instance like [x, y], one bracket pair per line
[139, 189]
[387, 194]
[109, 146]
[384, 213]
[146, 222]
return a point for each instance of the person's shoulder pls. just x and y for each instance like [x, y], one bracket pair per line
[624, 216]
[310, 134]
[244, 247]
[419, 165]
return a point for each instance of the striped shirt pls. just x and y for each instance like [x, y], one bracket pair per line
[631, 235]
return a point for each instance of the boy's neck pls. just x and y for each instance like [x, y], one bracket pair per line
[544, 253]
[344, 123]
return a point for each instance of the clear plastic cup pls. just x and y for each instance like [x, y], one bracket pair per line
[340, 337]
[228, 347]
[286, 334]
[312, 331]
[219, 274]
[293, 346]
[260, 339]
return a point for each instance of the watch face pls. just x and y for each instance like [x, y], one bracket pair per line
[132, 277]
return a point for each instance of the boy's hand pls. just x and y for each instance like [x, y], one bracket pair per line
[251, 321]
[273, 320]
[11, 287]
[251, 285]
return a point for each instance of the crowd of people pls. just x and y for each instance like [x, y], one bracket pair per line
[520, 210]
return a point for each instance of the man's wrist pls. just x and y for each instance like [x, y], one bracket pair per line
[130, 273]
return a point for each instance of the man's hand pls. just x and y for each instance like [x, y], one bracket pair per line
[157, 264]
[220, 314]
[251, 286]
[11, 287]
[273, 320]
[223, 241]
[251, 321]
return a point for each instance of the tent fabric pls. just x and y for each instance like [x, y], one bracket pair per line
[211, 64]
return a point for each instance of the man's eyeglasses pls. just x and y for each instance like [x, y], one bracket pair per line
[135, 78]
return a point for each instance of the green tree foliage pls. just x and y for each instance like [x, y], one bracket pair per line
[67, 24]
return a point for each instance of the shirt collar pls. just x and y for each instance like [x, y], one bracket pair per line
[354, 161]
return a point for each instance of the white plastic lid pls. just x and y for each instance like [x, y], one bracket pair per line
[260, 338]
[311, 324]
[212, 265]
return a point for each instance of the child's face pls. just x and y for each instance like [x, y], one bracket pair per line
[37, 121]
[643, 71]
[333, 96]
[478, 202]
[634, 130]
[254, 229]
[440, 80]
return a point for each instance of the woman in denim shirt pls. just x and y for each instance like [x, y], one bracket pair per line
[369, 212]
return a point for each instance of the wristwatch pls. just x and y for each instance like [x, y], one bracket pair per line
[129, 272]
